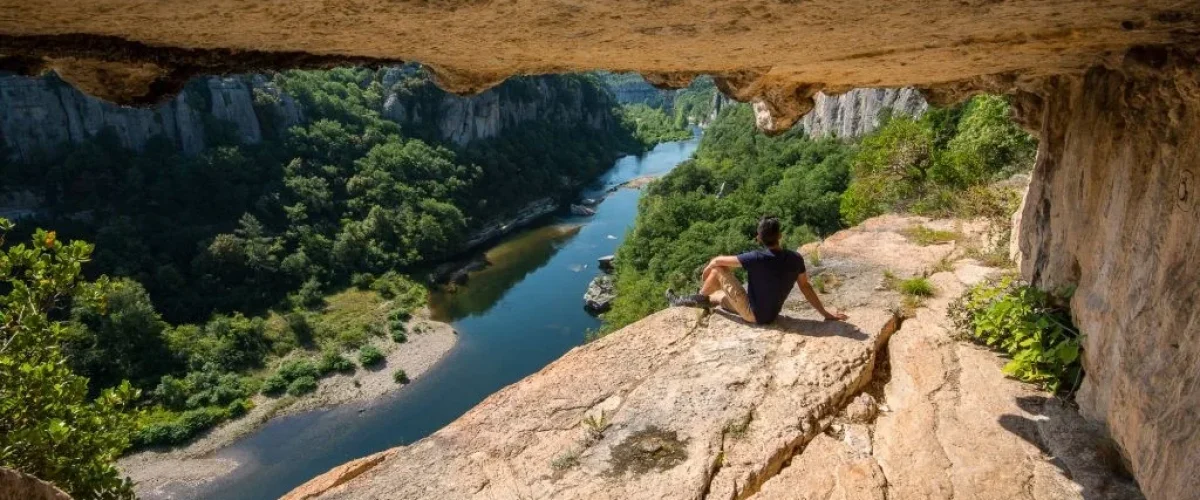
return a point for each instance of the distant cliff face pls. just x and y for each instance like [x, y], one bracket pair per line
[42, 114]
[461, 120]
[857, 112]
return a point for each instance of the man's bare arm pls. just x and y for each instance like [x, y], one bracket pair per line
[811, 296]
[730, 261]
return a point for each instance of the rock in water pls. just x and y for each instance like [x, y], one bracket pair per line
[600, 294]
[582, 210]
[606, 263]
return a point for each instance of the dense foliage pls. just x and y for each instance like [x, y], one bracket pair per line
[1030, 325]
[939, 164]
[49, 426]
[695, 103]
[652, 126]
[242, 227]
[942, 164]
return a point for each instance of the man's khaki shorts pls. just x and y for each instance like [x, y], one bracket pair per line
[732, 296]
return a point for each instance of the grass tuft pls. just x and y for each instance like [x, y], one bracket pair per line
[916, 287]
[925, 236]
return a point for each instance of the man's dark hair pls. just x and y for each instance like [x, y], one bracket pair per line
[768, 231]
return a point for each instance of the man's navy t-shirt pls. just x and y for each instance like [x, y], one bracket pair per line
[771, 273]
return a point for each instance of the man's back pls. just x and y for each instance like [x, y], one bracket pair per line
[771, 274]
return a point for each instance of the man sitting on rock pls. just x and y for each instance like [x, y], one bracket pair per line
[771, 273]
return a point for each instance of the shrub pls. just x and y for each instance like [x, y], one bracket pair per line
[407, 294]
[274, 385]
[398, 335]
[1032, 326]
[400, 377]
[296, 368]
[309, 296]
[399, 315]
[362, 281]
[333, 361]
[353, 338]
[302, 385]
[370, 356]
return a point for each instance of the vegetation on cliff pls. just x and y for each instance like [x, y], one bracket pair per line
[652, 126]
[941, 164]
[1032, 326]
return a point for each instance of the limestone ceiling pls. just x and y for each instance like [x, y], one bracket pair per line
[776, 53]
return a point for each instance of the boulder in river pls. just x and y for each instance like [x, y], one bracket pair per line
[606, 263]
[599, 295]
[581, 210]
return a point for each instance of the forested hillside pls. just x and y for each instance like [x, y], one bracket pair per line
[940, 164]
[239, 226]
[211, 264]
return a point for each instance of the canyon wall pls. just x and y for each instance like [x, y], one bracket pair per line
[461, 120]
[42, 114]
[858, 112]
[1114, 212]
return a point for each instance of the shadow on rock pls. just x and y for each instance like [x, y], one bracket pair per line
[806, 327]
[1079, 448]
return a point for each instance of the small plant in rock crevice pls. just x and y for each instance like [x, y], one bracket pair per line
[916, 287]
[596, 425]
[1032, 326]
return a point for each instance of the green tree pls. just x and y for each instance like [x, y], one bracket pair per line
[121, 337]
[49, 427]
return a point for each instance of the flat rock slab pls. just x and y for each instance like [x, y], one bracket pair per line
[673, 406]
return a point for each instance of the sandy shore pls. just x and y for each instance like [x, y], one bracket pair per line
[153, 471]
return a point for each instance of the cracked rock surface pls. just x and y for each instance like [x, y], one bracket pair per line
[681, 405]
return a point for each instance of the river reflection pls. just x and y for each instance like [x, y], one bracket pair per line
[508, 264]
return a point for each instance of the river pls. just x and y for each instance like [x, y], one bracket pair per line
[513, 318]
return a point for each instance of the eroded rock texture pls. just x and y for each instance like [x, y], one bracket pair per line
[775, 53]
[859, 111]
[1114, 210]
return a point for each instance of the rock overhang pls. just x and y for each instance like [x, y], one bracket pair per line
[774, 53]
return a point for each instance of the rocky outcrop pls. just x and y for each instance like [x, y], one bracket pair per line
[42, 114]
[18, 485]
[461, 120]
[858, 112]
[233, 102]
[1113, 213]
[600, 294]
[683, 405]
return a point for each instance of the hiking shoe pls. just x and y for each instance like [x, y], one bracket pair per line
[696, 300]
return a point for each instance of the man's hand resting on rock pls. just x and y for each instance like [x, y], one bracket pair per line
[835, 316]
